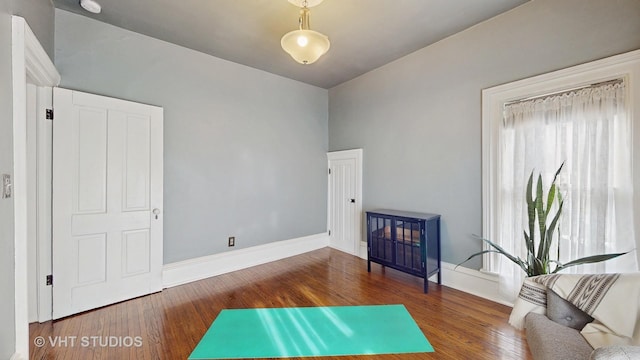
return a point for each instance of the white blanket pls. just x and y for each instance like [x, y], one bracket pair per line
[613, 300]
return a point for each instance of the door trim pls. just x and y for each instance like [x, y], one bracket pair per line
[44, 101]
[29, 62]
[356, 154]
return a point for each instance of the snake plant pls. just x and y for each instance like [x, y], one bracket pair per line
[539, 262]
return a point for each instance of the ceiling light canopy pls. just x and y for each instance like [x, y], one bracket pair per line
[91, 6]
[305, 45]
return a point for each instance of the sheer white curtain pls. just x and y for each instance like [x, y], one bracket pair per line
[588, 130]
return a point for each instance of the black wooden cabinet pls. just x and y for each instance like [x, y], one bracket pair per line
[405, 241]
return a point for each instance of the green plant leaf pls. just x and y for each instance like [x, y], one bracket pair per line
[542, 217]
[588, 260]
[553, 190]
[477, 254]
[530, 248]
[559, 238]
[500, 250]
[531, 213]
[538, 268]
[551, 229]
[557, 173]
[550, 197]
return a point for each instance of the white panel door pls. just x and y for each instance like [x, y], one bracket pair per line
[107, 201]
[345, 203]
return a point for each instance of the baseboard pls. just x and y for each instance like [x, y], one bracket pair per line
[471, 281]
[183, 272]
[464, 279]
[363, 250]
[460, 278]
[17, 356]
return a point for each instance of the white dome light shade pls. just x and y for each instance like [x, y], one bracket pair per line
[305, 46]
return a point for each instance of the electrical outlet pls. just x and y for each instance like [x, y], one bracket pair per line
[232, 241]
[6, 186]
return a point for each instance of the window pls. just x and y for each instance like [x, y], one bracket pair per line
[581, 117]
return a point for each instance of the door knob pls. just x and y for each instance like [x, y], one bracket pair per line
[156, 212]
[353, 200]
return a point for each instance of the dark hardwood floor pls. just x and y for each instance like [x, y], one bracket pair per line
[169, 324]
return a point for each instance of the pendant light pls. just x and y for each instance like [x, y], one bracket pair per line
[305, 45]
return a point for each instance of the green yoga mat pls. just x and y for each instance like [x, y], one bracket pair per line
[311, 331]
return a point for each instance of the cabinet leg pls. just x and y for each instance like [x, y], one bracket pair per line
[368, 266]
[426, 285]
[440, 277]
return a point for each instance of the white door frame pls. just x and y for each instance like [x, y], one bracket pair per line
[358, 248]
[39, 161]
[29, 62]
[32, 206]
[44, 132]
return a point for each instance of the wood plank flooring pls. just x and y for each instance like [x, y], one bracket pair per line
[169, 324]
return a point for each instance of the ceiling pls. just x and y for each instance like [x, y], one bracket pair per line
[364, 34]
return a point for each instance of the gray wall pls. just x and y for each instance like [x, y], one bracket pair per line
[245, 150]
[419, 118]
[41, 18]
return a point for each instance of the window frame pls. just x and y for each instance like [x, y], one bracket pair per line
[624, 66]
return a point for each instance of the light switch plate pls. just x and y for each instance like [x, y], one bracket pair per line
[6, 186]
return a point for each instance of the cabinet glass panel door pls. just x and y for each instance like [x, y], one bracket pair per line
[408, 244]
[381, 240]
